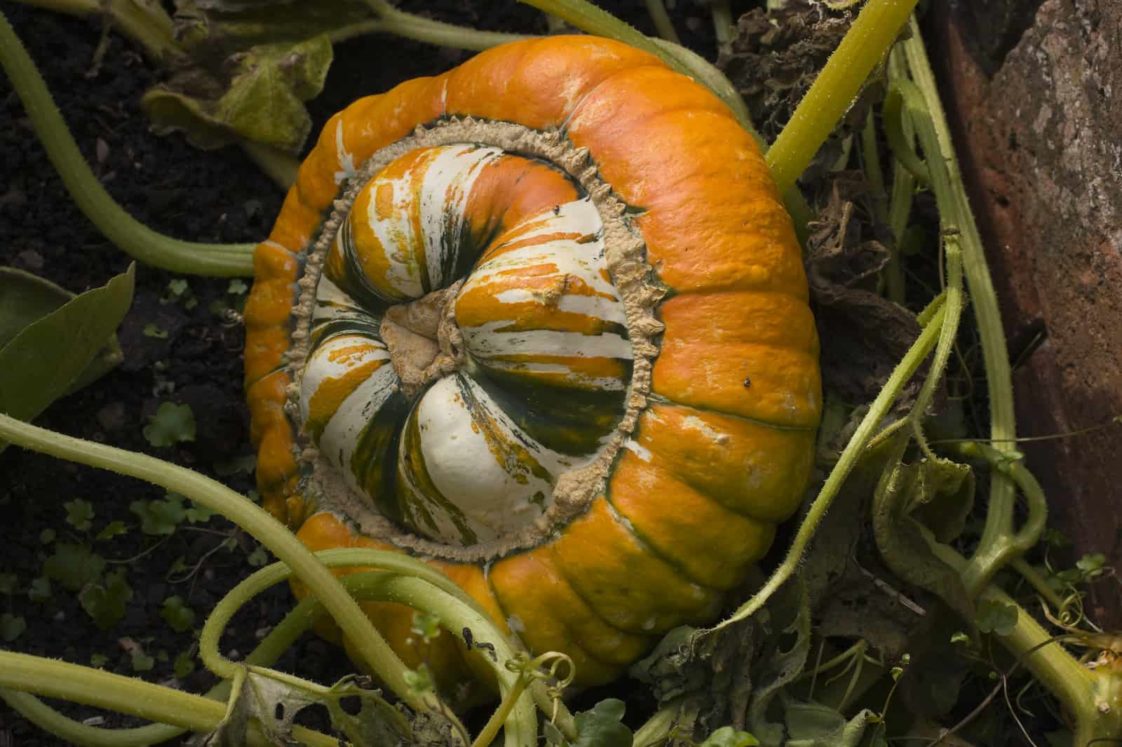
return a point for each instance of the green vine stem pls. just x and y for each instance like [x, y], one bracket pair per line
[1093, 697]
[662, 23]
[833, 91]
[521, 727]
[276, 642]
[428, 591]
[144, 22]
[999, 379]
[955, 302]
[78, 684]
[370, 647]
[115, 224]
[1006, 547]
[904, 371]
[273, 162]
[407, 25]
[723, 24]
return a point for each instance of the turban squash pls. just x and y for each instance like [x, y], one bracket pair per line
[542, 321]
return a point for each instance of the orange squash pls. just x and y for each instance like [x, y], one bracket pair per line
[541, 320]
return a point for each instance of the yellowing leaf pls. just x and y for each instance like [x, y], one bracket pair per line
[263, 99]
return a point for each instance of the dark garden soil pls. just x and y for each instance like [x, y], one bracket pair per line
[183, 348]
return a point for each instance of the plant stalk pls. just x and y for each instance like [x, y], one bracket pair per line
[139, 241]
[834, 90]
[371, 648]
[879, 408]
[78, 684]
[146, 23]
[999, 377]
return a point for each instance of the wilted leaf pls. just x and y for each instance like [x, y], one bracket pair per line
[272, 704]
[727, 736]
[377, 722]
[262, 100]
[909, 548]
[48, 357]
[602, 726]
[814, 725]
[845, 258]
[212, 29]
[782, 658]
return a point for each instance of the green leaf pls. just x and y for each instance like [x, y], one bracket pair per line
[105, 602]
[98, 661]
[170, 425]
[73, 566]
[177, 614]
[40, 589]
[47, 536]
[425, 626]
[53, 354]
[1091, 565]
[159, 517]
[79, 513]
[727, 736]
[262, 100]
[184, 664]
[155, 331]
[198, 514]
[420, 679]
[11, 627]
[8, 583]
[27, 298]
[259, 557]
[996, 617]
[602, 727]
[111, 530]
[141, 662]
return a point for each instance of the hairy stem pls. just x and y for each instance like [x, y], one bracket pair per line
[115, 224]
[115, 692]
[879, 408]
[865, 44]
[723, 24]
[274, 163]
[409, 26]
[1002, 498]
[371, 648]
[662, 23]
[146, 23]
